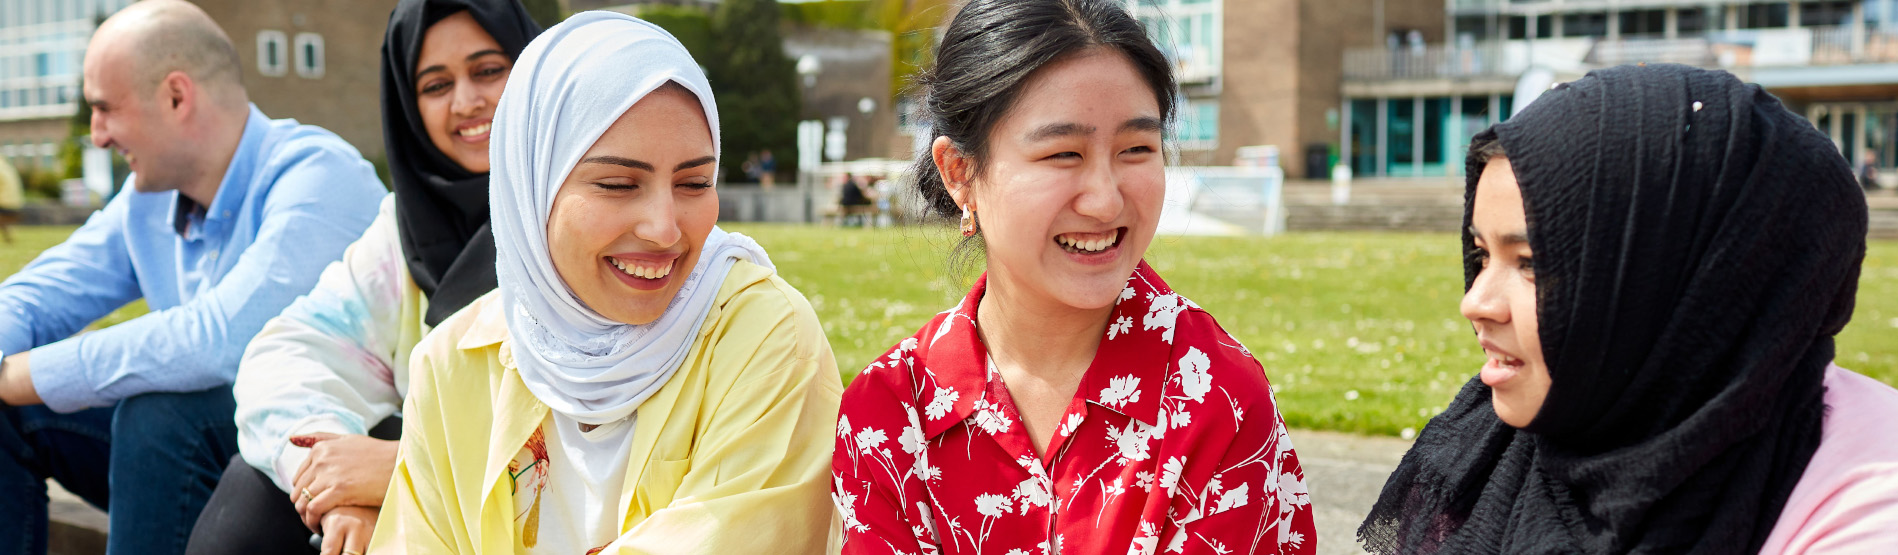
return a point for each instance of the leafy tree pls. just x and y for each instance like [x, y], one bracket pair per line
[692, 26]
[756, 84]
[545, 12]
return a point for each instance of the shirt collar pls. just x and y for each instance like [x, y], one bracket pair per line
[1127, 375]
[236, 183]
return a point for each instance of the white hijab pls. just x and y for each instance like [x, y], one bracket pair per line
[568, 86]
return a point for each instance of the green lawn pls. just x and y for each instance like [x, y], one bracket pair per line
[1358, 331]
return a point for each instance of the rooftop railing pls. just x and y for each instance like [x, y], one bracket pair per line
[1747, 48]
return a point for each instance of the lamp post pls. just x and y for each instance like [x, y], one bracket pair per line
[810, 136]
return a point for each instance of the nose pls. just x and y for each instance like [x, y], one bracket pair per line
[1100, 197]
[1485, 301]
[656, 221]
[468, 100]
[97, 128]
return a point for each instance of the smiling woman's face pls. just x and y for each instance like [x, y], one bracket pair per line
[1501, 303]
[628, 223]
[461, 73]
[1075, 179]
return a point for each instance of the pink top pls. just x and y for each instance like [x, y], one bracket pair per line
[1847, 502]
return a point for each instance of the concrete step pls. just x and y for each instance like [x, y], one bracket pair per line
[1439, 208]
[76, 527]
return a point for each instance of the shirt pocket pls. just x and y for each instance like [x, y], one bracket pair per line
[659, 484]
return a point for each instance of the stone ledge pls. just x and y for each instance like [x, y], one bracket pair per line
[74, 526]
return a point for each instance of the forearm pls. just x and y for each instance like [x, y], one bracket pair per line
[16, 381]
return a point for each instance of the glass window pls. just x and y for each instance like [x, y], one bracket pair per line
[1400, 128]
[1436, 115]
[1475, 26]
[1825, 14]
[1519, 27]
[1364, 137]
[1764, 16]
[1199, 122]
[271, 51]
[1691, 21]
[1585, 25]
[309, 49]
[1643, 22]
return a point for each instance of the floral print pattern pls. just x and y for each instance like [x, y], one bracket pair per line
[1172, 444]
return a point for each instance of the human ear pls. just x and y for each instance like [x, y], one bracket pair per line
[955, 167]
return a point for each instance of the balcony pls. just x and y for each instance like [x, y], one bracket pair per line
[1733, 50]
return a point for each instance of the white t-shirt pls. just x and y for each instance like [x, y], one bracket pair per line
[578, 495]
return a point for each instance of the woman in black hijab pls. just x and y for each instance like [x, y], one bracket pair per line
[335, 362]
[1660, 257]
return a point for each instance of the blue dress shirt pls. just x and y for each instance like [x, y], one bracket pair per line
[293, 198]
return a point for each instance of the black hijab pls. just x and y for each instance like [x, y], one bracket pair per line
[1697, 247]
[441, 208]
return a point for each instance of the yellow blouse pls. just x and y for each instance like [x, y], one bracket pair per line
[732, 455]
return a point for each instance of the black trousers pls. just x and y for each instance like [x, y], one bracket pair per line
[248, 514]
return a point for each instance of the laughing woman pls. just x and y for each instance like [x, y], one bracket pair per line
[641, 381]
[317, 387]
[1071, 403]
[1660, 257]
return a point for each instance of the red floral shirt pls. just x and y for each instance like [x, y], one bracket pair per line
[1172, 444]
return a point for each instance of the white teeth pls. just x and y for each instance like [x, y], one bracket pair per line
[643, 272]
[476, 130]
[1092, 245]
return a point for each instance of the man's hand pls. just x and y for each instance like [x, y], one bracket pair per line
[346, 530]
[16, 381]
[342, 471]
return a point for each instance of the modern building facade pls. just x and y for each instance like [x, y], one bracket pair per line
[1414, 104]
[1265, 72]
[42, 44]
[318, 61]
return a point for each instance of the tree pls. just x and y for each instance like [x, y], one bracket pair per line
[545, 12]
[755, 83]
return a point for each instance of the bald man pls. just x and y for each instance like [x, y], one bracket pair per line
[232, 215]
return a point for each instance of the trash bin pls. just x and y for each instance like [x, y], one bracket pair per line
[1317, 161]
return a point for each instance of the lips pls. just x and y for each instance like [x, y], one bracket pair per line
[1090, 243]
[1501, 366]
[474, 131]
[643, 271]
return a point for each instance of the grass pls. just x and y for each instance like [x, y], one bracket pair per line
[1359, 332]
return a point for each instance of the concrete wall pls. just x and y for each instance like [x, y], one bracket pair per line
[347, 98]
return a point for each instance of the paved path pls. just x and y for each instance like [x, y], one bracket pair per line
[1345, 472]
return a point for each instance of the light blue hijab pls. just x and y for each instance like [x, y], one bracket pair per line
[568, 86]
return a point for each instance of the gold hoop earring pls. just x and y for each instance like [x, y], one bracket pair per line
[968, 221]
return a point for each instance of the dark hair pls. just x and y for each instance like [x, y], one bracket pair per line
[992, 47]
[1485, 147]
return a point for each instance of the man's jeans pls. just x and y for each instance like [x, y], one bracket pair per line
[150, 462]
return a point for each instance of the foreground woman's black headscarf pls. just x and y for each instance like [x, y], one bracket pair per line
[1697, 246]
[441, 208]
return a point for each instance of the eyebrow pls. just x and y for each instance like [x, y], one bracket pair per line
[471, 57]
[639, 165]
[1507, 238]
[1052, 130]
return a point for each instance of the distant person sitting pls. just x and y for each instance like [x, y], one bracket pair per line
[767, 169]
[234, 216]
[1868, 170]
[852, 202]
[12, 199]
